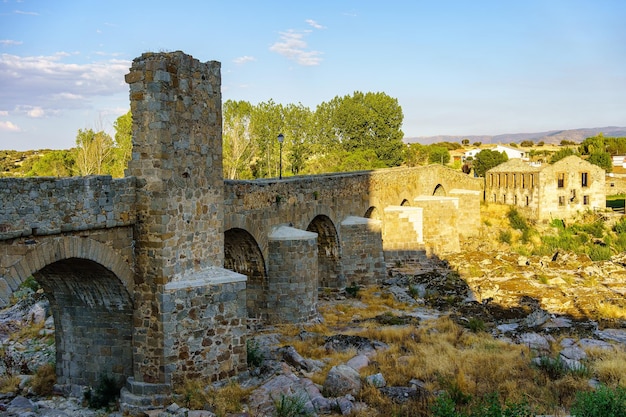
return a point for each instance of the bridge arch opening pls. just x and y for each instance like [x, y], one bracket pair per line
[405, 202]
[93, 319]
[242, 254]
[328, 252]
[439, 191]
[373, 213]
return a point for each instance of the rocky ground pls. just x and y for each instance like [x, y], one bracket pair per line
[518, 299]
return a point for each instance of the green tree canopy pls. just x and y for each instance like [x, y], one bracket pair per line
[370, 121]
[562, 153]
[601, 159]
[438, 155]
[487, 159]
[54, 164]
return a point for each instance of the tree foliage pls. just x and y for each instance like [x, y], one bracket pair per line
[354, 132]
[562, 153]
[487, 159]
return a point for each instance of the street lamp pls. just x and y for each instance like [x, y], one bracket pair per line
[281, 138]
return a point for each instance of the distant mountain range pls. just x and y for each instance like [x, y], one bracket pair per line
[552, 137]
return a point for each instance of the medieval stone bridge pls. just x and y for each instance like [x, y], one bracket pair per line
[151, 278]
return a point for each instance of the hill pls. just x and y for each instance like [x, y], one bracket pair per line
[550, 137]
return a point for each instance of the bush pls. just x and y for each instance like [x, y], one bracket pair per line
[253, 353]
[290, 406]
[516, 220]
[44, 379]
[353, 290]
[604, 402]
[107, 391]
[505, 236]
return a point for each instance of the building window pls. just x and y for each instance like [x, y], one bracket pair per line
[584, 177]
[506, 180]
[515, 200]
[532, 180]
[586, 200]
[491, 180]
[561, 200]
[527, 201]
[561, 180]
[514, 180]
[495, 198]
[523, 180]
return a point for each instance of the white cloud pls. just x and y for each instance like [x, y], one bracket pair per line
[314, 24]
[244, 59]
[48, 84]
[25, 12]
[4, 113]
[293, 46]
[36, 112]
[9, 127]
[9, 42]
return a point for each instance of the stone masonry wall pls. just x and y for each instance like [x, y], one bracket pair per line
[207, 325]
[363, 259]
[46, 205]
[177, 158]
[293, 276]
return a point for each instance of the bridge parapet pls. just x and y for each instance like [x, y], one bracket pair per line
[47, 205]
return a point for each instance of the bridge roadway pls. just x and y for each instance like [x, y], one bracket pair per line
[151, 278]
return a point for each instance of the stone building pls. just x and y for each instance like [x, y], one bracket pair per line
[559, 190]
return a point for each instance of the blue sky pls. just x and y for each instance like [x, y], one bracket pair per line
[456, 67]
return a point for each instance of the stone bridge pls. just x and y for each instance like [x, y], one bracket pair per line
[152, 278]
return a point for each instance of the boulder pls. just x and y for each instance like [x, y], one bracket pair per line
[342, 380]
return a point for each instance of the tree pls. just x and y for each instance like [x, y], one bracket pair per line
[438, 155]
[239, 147]
[265, 125]
[562, 153]
[487, 159]
[93, 152]
[465, 142]
[370, 121]
[527, 143]
[601, 159]
[54, 164]
[123, 146]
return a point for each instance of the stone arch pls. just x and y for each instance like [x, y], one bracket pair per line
[242, 254]
[93, 318]
[329, 265]
[66, 247]
[90, 287]
[439, 191]
[373, 213]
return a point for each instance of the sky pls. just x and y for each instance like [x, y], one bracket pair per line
[465, 67]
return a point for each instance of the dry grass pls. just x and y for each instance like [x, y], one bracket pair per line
[196, 395]
[9, 384]
[610, 367]
[608, 310]
[44, 379]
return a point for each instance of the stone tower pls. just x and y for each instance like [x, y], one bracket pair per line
[190, 316]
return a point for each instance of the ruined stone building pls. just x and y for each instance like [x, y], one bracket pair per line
[559, 190]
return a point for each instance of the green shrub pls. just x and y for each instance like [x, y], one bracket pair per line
[290, 406]
[505, 236]
[254, 355]
[553, 368]
[516, 220]
[353, 290]
[600, 253]
[620, 226]
[605, 402]
[476, 325]
[107, 391]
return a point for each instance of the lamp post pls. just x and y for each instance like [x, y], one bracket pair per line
[281, 138]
